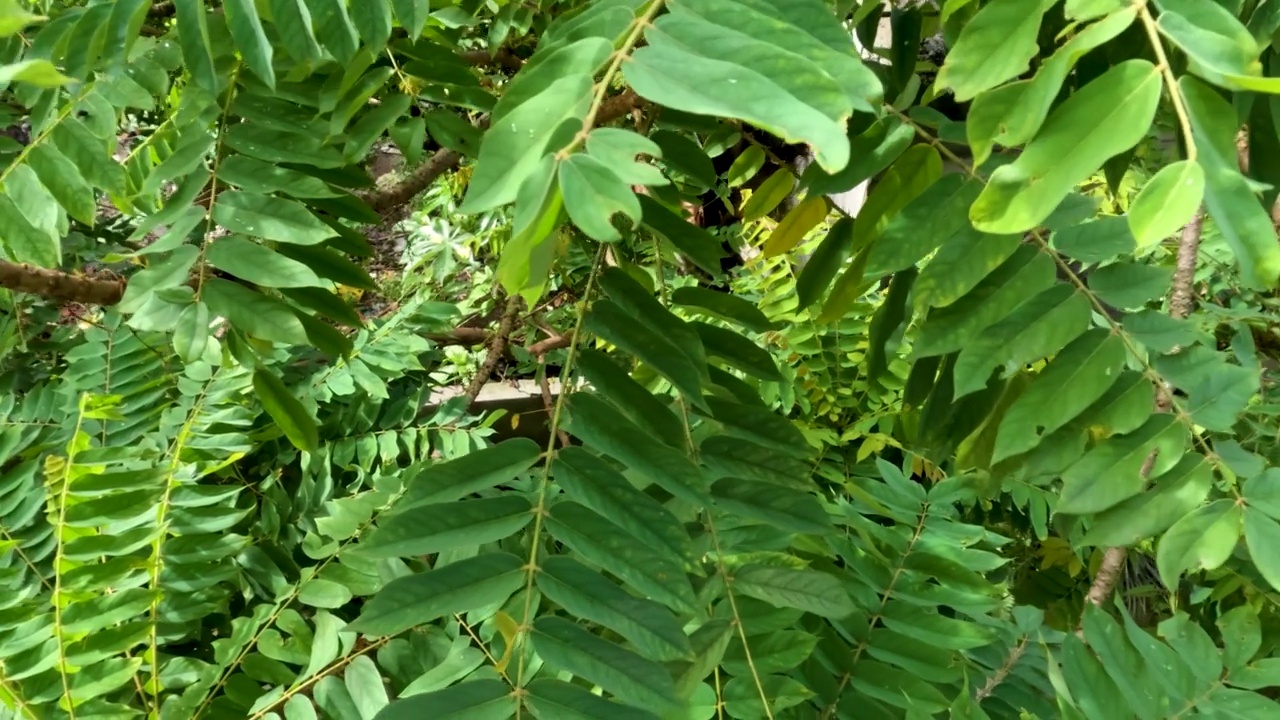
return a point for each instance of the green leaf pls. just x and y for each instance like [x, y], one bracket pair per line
[1130, 285]
[551, 699]
[458, 587]
[290, 415]
[1012, 114]
[776, 652]
[791, 71]
[1175, 494]
[870, 152]
[318, 592]
[39, 72]
[167, 273]
[64, 181]
[928, 626]
[807, 590]
[585, 594]
[334, 29]
[926, 222]
[652, 347]
[960, 265]
[656, 574]
[1037, 328]
[618, 671]
[995, 46]
[191, 334]
[593, 194]
[1263, 492]
[373, 22]
[259, 264]
[1023, 276]
[1201, 540]
[1166, 203]
[193, 37]
[292, 21]
[1098, 240]
[1112, 471]
[723, 305]
[14, 17]
[524, 267]
[473, 472]
[1241, 219]
[251, 41]
[271, 218]
[700, 246]
[769, 195]
[798, 222]
[533, 116]
[1104, 118]
[412, 15]
[428, 529]
[596, 484]
[826, 260]
[742, 697]
[253, 313]
[483, 699]
[775, 506]
[23, 242]
[745, 166]
[737, 351]
[617, 386]
[1078, 376]
[1219, 47]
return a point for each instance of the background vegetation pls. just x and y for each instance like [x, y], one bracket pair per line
[995, 440]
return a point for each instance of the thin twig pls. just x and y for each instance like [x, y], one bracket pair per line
[1001, 672]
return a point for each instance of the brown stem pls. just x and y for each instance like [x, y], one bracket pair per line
[558, 342]
[497, 346]
[1181, 301]
[1001, 672]
[59, 285]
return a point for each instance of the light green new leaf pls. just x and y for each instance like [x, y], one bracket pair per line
[585, 594]
[1012, 114]
[14, 17]
[428, 529]
[286, 410]
[1078, 376]
[1112, 471]
[807, 590]
[1037, 328]
[617, 670]
[1104, 118]
[259, 264]
[484, 699]
[651, 570]
[39, 72]
[475, 471]
[1166, 203]
[1176, 493]
[193, 37]
[524, 267]
[251, 41]
[420, 598]
[271, 218]
[995, 46]
[790, 70]
[292, 20]
[550, 699]
[594, 194]
[1241, 219]
[533, 118]
[1202, 540]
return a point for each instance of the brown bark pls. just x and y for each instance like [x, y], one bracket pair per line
[497, 346]
[60, 285]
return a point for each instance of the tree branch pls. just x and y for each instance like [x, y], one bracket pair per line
[497, 346]
[1181, 301]
[60, 285]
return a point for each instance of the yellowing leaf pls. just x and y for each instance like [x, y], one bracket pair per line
[802, 218]
[769, 195]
